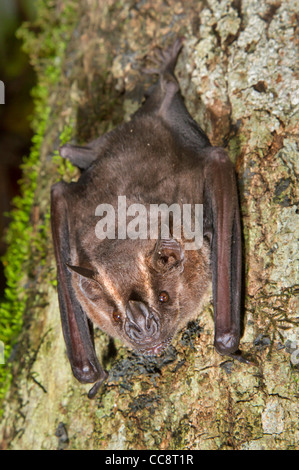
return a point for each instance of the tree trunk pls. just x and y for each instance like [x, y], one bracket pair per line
[237, 73]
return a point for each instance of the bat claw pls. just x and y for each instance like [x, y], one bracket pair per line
[238, 356]
[95, 388]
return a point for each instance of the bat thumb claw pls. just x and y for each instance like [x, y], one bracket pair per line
[239, 357]
[95, 388]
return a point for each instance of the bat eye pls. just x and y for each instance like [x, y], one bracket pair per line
[163, 296]
[116, 316]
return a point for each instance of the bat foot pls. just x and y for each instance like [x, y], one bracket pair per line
[164, 60]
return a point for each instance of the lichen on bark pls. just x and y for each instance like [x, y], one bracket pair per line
[238, 75]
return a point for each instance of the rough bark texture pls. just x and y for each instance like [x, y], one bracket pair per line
[238, 75]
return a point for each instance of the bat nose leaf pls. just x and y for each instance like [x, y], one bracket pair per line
[140, 325]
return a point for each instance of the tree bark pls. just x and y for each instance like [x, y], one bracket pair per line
[237, 72]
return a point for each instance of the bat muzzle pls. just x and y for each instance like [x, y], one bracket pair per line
[141, 325]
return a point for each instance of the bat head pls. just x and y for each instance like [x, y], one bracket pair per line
[145, 292]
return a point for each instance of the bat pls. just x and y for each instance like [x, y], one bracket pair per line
[123, 264]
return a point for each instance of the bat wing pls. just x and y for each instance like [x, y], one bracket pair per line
[220, 199]
[77, 329]
[222, 224]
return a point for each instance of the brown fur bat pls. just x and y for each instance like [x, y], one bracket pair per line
[143, 289]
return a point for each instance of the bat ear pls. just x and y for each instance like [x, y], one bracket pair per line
[88, 285]
[84, 272]
[168, 254]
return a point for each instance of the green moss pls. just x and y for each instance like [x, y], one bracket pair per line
[45, 46]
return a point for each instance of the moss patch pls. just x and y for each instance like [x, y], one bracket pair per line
[27, 233]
